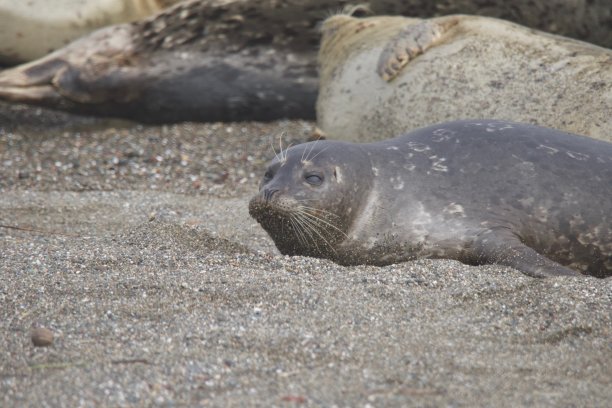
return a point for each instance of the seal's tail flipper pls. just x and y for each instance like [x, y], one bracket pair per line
[32, 82]
[55, 81]
[505, 248]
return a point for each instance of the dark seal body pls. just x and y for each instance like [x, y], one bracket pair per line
[481, 192]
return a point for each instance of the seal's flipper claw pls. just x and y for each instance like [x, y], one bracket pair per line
[505, 248]
[32, 74]
[34, 94]
[408, 44]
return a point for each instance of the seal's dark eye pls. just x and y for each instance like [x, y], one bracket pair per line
[268, 175]
[314, 179]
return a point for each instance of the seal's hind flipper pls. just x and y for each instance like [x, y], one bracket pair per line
[81, 72]
[505, 248]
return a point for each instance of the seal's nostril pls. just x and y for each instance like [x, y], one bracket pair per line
[269, 192]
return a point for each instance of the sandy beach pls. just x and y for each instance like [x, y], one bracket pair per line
[134, 246]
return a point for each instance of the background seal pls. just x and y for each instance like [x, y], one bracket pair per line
[382, 76]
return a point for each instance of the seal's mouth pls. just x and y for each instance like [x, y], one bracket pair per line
[264, 208]
[277, 218]
[296, 228]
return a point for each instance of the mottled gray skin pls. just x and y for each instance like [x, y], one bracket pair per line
[481, 192]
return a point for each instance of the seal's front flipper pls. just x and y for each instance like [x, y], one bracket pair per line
[505, 248]
[409, 43]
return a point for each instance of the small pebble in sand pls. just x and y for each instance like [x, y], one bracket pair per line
[42, 337]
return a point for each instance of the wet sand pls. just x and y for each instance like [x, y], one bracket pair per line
[160, 290]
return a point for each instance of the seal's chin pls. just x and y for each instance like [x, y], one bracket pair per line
[267, 211]
[276, 220]
[295, 229]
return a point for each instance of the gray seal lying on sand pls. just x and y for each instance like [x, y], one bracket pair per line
[382, 76]
[227, 60]
[481, 192]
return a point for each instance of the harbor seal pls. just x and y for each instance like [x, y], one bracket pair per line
[382, 76]
[31, 29]
[227, 60]
[481, 192]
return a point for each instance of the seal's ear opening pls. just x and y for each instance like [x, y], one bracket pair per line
[346, 13]
[359, 11]
[337, 174]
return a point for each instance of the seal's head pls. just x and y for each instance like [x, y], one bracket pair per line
[310, 195]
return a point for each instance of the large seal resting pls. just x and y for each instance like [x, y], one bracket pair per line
[385, 75]
[481, 192]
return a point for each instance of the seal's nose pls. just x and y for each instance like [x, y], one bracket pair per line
[269, 192]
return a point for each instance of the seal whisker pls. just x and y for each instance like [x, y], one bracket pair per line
[307, 199]
[273, 149]
[282, 154]
[317, 210]
[311, 149]
[287, 151]
[298, 230]
[312, 213]
[307, 229]
[319, 222]
[306, 150]
[280, 144]
[314, 227]
[319, 152]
